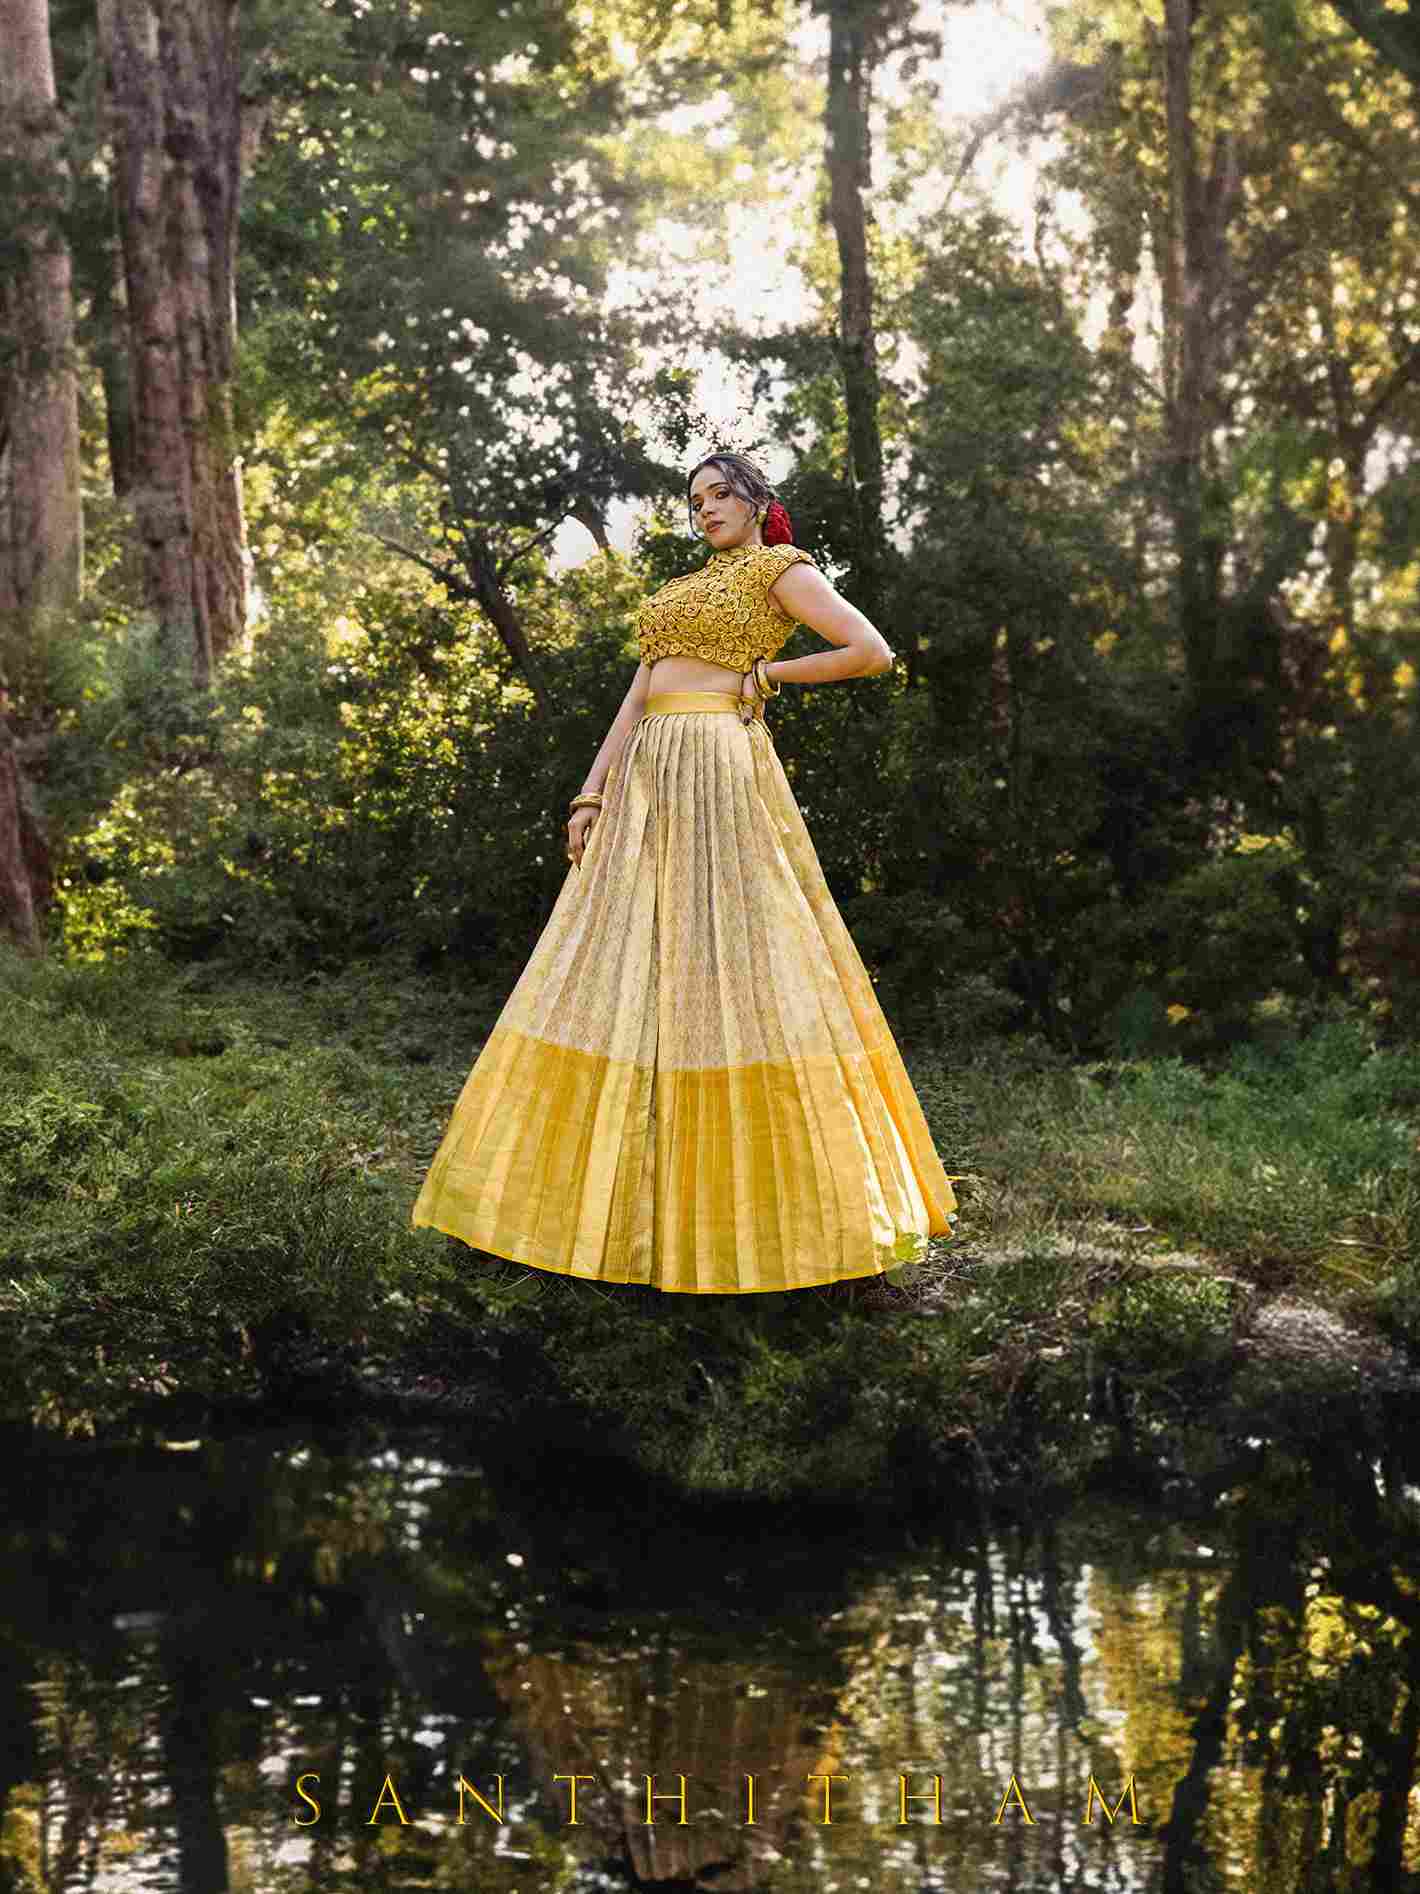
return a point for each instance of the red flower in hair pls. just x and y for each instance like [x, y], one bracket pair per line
[777, 530]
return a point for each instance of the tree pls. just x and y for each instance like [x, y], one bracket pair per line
[41, 526]
[41, 519]
[1272, 232]
[1393, 33]
[172, 76]
[862, 34]
[430, 228]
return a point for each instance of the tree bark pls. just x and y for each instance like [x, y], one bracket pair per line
[41, 511]
[1116, 345]
[24, 880]
[853, 29]
[172, 73]
[109, 325]
[1197, 269]
[41, 520]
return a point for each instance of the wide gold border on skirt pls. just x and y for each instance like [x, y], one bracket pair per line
[692, 1084]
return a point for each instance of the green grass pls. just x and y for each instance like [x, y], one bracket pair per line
[1297, 1167]
[182, 1164]
[193, 1166]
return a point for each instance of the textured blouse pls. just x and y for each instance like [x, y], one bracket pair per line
[723, 611]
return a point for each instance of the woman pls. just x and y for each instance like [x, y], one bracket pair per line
[692, 1084]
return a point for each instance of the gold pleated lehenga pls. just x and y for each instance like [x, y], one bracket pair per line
[692, 1084]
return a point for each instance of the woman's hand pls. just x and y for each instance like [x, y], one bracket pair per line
[577, 831]
[748, 693]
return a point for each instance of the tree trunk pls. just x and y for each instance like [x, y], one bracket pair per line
[172, 73]
[41, 522]
[109, 324]
[587, 513]
[41, 513]
[852, 30]
[487, 587]
[19, 838]
[1196, 268]
[1125, 242]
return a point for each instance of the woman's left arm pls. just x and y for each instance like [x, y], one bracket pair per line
[862, 650]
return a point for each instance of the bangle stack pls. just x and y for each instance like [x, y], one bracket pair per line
[758, 672]
[588, 799]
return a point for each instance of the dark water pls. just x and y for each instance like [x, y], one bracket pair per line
[190, 1627]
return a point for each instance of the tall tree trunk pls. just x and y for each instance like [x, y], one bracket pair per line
[109, 347]
[41, 522]
[854, 26]
[1125, 243]
[41, 515]
[172, 72]
[1196, 272]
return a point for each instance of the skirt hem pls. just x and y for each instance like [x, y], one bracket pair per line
[886, 1268]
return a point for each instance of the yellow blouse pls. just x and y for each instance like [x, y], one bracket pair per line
[723, 612]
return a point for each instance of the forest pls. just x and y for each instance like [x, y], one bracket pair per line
[354, 353]
[309, 352]
[353, 357]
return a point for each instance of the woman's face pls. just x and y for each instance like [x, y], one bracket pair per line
[723, 516]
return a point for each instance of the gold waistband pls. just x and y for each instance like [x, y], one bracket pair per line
[662, 703]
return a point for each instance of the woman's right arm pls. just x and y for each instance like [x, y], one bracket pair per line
[862, 651]
[626, 718]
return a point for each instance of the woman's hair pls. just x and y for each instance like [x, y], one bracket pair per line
[741, 476]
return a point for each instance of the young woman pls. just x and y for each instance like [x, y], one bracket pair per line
[692, 1084]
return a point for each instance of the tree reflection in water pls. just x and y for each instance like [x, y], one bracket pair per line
[187, 1631]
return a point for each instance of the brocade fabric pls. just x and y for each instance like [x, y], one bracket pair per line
[722, 612]
[692, 1084]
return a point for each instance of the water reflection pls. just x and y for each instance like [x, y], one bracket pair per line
[187, 1632]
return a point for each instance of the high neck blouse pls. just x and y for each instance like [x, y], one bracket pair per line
[723, 611]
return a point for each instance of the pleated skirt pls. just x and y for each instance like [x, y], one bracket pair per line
[692, 1084]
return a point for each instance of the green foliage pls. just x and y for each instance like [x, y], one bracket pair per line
[1166, 1322]
[174, 1187]
[1298, 1159]
[41, 1134]
[199, 1172]
[426, 241]
[1014, 837]
[932, 979]
[430, 377]
[353, 786]
[727, 1395]
[1193, 965]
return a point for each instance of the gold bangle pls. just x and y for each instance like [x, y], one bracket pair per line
[763, 683]
[589, 799]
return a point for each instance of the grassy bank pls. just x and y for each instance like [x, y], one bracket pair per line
[204, 1198]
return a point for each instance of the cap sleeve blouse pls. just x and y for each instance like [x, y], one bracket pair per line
[723, 612]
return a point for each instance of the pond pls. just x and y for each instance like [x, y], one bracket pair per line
[322, 1659]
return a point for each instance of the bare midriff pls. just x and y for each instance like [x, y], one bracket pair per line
[693, 674]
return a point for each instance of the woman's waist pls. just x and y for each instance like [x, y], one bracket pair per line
[681, 672]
